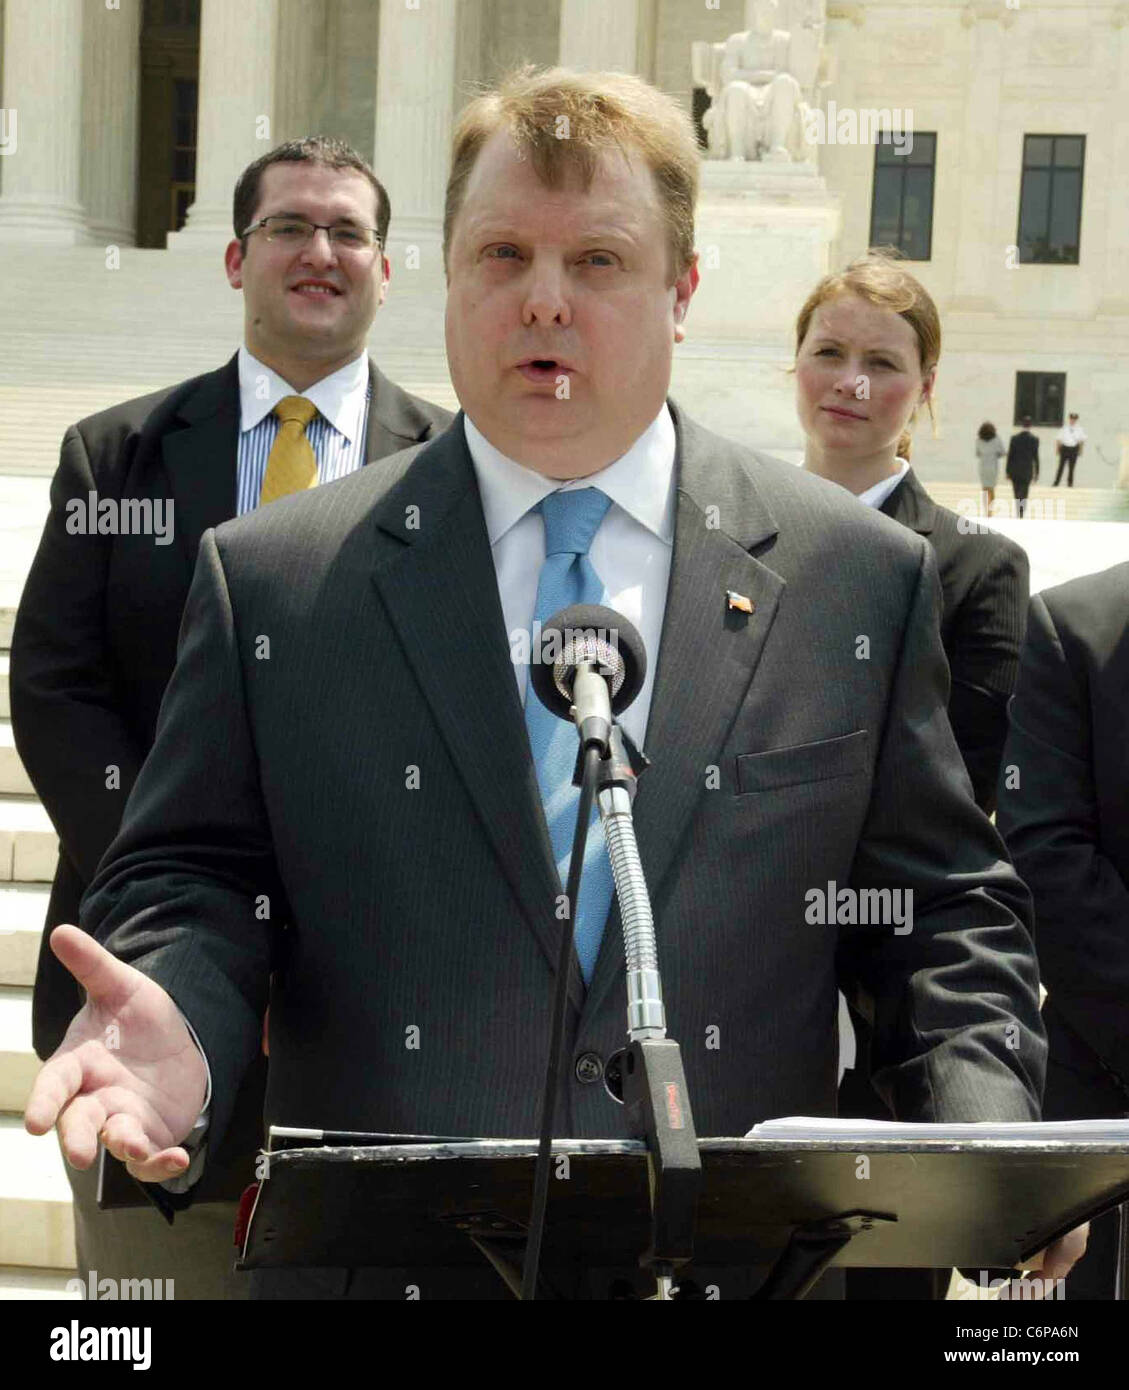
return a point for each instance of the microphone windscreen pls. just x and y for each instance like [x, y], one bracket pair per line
[587, 632]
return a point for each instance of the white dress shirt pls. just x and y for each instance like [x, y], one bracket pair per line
[1071, 435]
[631, 551]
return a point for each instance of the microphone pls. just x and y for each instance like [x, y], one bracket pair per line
[590, 665]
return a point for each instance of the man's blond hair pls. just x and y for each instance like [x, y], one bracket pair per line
[564, 120]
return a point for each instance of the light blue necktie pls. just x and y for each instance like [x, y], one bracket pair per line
[571, 519]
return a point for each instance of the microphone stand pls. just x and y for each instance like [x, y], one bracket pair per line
[647, 1075]
[590, 764]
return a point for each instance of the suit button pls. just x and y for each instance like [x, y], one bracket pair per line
[589, 1067]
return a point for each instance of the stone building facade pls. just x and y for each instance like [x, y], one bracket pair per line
[127, 122]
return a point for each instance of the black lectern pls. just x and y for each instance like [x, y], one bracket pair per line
[790, 1207]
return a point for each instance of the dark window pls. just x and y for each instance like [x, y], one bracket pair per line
[182, 201]
[1040, 395]
[178, 13]
[184, 150]
[901, 210]
[1050, 199]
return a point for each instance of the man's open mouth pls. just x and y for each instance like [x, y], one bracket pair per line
[543, 368]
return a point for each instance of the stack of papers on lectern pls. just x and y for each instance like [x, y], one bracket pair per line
[797, 1127]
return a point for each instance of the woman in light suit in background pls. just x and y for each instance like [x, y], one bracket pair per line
[989, 450]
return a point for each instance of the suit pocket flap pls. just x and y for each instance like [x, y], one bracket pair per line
[805, 762]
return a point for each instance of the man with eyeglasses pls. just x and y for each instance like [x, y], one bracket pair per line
[299, 404]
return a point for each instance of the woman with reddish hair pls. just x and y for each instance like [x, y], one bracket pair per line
[868, 343]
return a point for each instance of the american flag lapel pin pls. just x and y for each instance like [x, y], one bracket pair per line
[738, 601]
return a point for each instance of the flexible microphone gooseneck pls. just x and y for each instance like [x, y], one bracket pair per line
[589, 665]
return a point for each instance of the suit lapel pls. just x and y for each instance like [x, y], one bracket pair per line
[200, 459]
[708, 654]
[390, 426]
[441, 593]
[910, 504]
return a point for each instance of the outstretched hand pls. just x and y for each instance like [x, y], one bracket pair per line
[1051, 1264]
[127, 1072]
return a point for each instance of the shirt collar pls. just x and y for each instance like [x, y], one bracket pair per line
[339, 397]
[641, 481]
[876, 495]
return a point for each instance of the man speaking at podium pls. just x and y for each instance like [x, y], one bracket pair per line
[343, 814]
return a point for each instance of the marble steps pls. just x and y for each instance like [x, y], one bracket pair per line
[18, 1062]
[18, 1282]
[80, 337]
[28, 844]
[13, 779]
[36, 1220]
[23, 909]
[1044, 502]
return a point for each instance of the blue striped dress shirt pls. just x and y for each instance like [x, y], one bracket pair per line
[336, 433]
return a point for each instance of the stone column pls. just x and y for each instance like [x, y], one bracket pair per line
[598, 36]
[982, 240]
[111, 69]
[414, 95]
[1115, 298]
[235, 125]
[41, 132]
[301, 68]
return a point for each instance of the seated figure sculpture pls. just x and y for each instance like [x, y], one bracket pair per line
[757, 103]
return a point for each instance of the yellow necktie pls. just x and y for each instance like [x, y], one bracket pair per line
[291, 466]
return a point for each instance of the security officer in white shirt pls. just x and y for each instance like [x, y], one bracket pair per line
[1068, 446]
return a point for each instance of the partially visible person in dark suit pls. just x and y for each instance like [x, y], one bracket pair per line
[95, 635]
[1022, 465]
[1064, 812]
[868, 341]
[984, 587]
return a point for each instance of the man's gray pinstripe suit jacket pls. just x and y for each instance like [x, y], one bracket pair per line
[803, 744]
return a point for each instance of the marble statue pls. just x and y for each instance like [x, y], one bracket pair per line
[761, 82]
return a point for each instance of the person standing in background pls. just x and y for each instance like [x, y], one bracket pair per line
[989, 450]
[1023, 463]
[868, 341]
[1068, 446]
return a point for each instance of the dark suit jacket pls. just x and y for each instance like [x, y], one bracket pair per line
[1067, 821]
[984, 587]
[1022, 457]
[95, 635]
[984, 590]
[430, 907]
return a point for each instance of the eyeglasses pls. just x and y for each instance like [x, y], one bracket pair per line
[296, 231]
